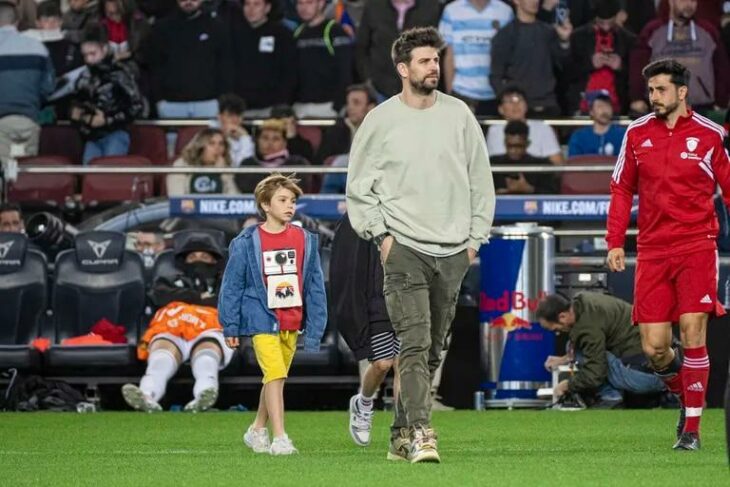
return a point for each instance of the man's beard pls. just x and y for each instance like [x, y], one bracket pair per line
[668, 110]
[421, 88]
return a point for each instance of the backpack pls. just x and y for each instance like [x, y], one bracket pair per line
[34, 393]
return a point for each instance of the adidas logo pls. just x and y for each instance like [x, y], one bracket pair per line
[706, 299]
[696, 387]
[647, 143]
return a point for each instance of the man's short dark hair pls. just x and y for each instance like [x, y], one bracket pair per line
[517, 127]
[95, 33]
[372, 99]
[677, 72]
[412, 39]
[509, 91]
[7, 207]
[231, 103]
[8, 12]
[551, 306]
[49, 8]
[603, 98]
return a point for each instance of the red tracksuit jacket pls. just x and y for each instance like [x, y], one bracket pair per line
[675, 173]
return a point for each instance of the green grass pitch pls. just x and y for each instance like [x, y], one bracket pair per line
[491, 448]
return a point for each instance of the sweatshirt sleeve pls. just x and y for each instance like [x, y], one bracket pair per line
[363, 204]
[623, 188]
[231, 292]
[638, 58]
[500, 58]
[481, 184]
[720, 160]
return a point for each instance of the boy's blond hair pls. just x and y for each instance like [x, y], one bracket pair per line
[266, 188]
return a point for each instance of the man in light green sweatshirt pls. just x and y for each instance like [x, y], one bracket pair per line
[419, 185]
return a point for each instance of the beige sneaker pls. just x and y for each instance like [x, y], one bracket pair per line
[400, 444]
[423, 445]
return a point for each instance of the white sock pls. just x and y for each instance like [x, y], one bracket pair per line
[205, 365]
[366, 402]
[161, 366]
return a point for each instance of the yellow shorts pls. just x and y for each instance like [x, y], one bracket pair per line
[274, 353]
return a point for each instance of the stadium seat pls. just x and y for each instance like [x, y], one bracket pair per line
[108, 188]
[61, 140]
[312, 134]
[149, 142]
[51, 189]
[97, 279]
[23, 301]
[587, 182]
[185, 135]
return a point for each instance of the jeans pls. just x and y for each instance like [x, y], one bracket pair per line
[206, 109]
[113, 144]
[420, 294]
[623, 378]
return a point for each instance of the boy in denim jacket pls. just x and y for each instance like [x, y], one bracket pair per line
[273, 291]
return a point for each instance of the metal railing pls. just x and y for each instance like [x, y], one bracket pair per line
[74, 169]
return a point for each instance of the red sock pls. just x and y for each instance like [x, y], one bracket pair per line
[674, 384]
[695, 372]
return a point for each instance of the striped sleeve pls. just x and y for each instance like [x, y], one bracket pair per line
[717, 160]
[623, 188]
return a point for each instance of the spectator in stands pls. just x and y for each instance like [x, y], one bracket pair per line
[336, 183]
[23, 90]
[189, 58]
[607, 347]
[209, 148]
[106, 99]
[691, 41]
[184, 328]
[271, 151]
[265, 60]
[338, 138]
[708, 10]
[517, 137]
[600, 60]
[528, 53]
[295, 143]
[127, 27]
[382, 22]
[11, 218]
[149, 245]
[27, 14]
[80, 14]
[230, 121]
[347, 13]
[604, 137]
[579, 12]
[513, 107]
[468, 27]
[65, 56]
[323, 62]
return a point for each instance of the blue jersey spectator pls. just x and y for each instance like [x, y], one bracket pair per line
[603, 138]
[468, 27]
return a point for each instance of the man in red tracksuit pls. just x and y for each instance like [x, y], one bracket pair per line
[674, 159]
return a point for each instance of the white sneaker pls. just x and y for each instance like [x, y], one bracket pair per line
[361, 422]
[257, 439]
[207, 398]
[282, 445]
[134, 396]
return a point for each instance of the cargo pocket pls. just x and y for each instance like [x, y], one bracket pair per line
[400, 299]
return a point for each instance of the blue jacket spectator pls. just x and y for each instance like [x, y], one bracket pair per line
[603, 138]
[26, 78]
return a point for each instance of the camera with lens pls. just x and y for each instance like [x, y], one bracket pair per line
[280, 262]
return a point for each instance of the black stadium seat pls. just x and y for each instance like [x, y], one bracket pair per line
[23, 301]
[97, 279]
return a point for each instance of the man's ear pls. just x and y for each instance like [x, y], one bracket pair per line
[402, 70]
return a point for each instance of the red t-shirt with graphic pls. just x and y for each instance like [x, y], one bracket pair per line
[292, 238]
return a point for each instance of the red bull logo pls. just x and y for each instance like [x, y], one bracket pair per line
[509, 301]
[510, 322]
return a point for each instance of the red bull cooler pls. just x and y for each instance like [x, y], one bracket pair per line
[517, 270]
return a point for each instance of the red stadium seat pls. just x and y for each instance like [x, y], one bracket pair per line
[312, 134]
[48, 188]
[587, 182]
[185, 135]
[57, 140]
[107, 188]
[149, 142]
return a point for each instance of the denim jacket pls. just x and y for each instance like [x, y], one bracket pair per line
[242, 302]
